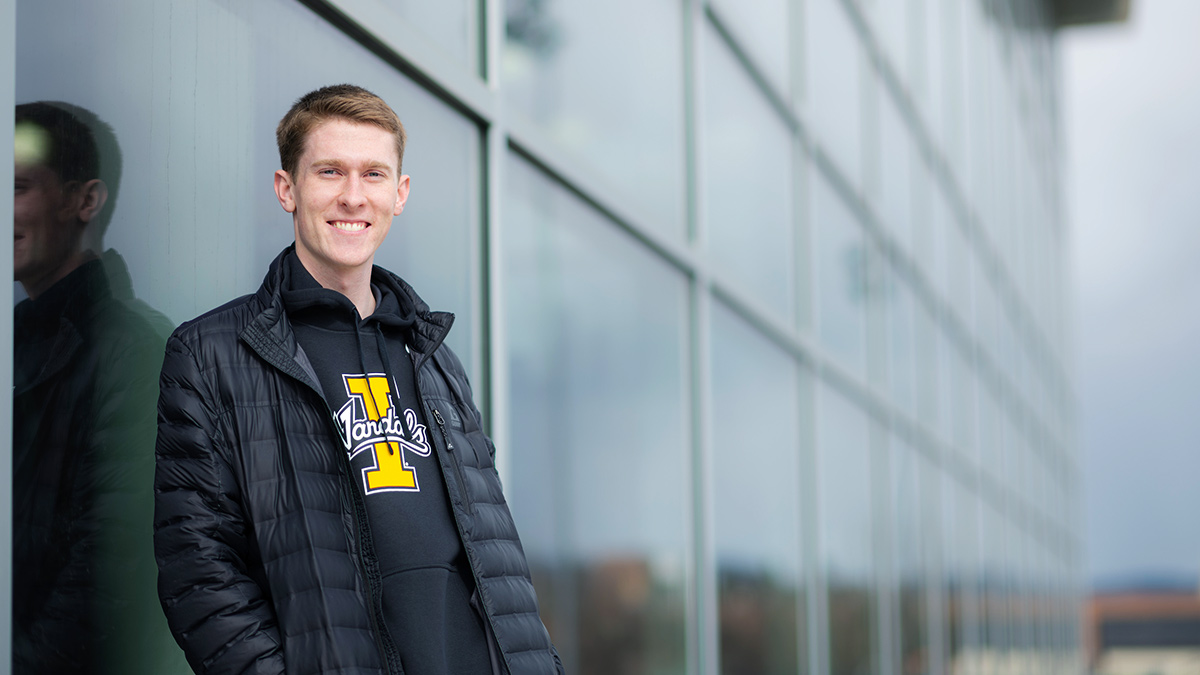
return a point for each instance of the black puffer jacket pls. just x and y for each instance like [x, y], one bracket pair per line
[266, 564]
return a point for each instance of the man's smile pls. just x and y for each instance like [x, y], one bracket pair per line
[350, 225]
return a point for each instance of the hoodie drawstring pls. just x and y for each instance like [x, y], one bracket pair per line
[381, 343]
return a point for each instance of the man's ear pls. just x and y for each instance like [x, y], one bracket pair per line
[401, 195]
[93, 194]
[285, 191]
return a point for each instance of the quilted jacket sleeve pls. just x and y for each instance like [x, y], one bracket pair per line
[217, 611]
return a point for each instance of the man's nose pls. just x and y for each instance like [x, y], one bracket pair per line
[352, 192]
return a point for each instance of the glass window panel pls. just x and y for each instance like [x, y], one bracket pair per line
[965, 404]
[946, 384]
[833, 84]
[960, 532]
[910, 535]
[600, 485]
[995, 568]
[1006, 347]
[927, 366]
[761, 29]
[940, 224]
[892, 22]
[846, 534]
[959, 258]
[756, 405]
[608, 90]
[896, 159]
[923, 229]
[1016, 477]
[453, 25]
[985, 427]
[841, 277]
[747, 180]
[191, 93]
[901, 358]
[935, 51]
[985, 313]
[1026, 602]
[954, 78]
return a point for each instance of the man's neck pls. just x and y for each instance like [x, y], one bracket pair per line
[354, 284]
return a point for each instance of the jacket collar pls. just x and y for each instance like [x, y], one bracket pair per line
[270, 334]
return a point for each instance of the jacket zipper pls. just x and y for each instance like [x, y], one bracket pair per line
[456, 461]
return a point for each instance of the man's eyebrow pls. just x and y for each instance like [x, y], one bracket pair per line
[338, 163]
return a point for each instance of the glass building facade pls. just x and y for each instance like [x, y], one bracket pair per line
[764, 303]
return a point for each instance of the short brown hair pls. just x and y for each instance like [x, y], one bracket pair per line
[338, 101]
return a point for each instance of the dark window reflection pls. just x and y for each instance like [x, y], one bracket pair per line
[760, 622]
[85, 382]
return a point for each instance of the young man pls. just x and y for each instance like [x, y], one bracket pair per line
[326, 498]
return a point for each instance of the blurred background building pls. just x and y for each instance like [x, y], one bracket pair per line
[1147, 631]
[766, 303]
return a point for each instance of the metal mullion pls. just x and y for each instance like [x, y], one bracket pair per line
[811, 621]
[8, 88]
[934, 568]
[704, 635]
[494, 349]
[812, 628]
[704, 627]
[885, 603]
[488, 42]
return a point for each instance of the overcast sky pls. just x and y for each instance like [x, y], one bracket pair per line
[1131, 113]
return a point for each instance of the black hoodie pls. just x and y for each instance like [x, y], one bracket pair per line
[366, 376]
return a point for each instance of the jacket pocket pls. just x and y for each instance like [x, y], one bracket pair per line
[454, 458]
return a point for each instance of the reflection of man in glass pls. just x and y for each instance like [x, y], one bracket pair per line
[326, 498]
[83, 422]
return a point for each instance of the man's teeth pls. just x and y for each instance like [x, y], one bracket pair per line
[348, 226]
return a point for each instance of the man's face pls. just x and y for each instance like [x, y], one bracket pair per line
[346, 189]
[46, 226]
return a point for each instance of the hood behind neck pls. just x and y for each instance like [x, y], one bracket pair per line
[307, 301]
